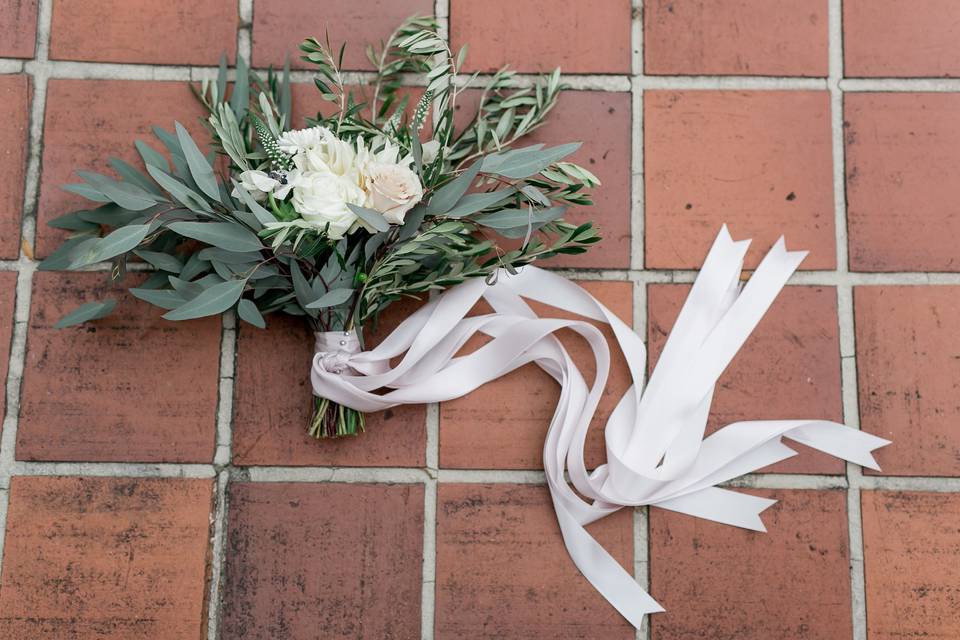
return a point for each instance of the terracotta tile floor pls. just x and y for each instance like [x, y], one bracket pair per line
[183, 499]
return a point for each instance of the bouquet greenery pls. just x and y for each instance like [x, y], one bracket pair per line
[334, 221]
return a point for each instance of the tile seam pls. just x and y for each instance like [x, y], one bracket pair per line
[18, 343]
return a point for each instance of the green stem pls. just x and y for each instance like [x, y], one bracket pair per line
[332, 420]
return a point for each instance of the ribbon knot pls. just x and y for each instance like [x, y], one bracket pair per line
[335, 349]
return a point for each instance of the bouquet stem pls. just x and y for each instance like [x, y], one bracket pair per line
[332, 420]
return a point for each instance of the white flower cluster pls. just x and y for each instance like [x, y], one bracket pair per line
[330, 173]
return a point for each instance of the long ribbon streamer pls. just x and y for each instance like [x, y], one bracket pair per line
[656, 452]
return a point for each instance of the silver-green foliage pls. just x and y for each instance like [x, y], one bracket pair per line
[211, 251]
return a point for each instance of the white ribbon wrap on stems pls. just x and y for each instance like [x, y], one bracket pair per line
[656, 452]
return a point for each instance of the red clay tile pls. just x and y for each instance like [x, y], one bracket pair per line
[503, 572]
[473, 435]
[901, 153]
[273, 405]
[898, 38]
[908, 366]
[718, 581]
[761, 161]
[8, 295]
[789, 367]
[537, 35]
[323, 560]
[18, 23]
[88, 121]
[601, 120]
[131, 387]
[106, 558]
[15, 113]
[279, 27]
[140, 31]
[735, 37]
[912, 564]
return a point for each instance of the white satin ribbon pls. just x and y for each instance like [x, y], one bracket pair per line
[656, 452]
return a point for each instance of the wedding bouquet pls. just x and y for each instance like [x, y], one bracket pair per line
[380, 199]
[365, 205]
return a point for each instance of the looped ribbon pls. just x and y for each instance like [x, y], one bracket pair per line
[656, 452]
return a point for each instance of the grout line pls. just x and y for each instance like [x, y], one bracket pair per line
[421, 475]
[641, 561]
[428, 584]
[18, 343]
[11, 65]
[429, 571]
[116, 469]
[934, 85]
[75, 69]
[641, 543]
[940, 484]
[637, 186]
[858, 601]
[218, 555]
[228, 350]
[845, 318]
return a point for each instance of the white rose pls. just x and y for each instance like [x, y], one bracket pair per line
[318, 149]
[321, 198]
[394, 190]
[259, 184]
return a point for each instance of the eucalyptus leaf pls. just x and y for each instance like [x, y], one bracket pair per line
[194, 266]
[86, 312]
[133, 176]
[112, 215]
[239, 100]
[515, 223]
[213, 300]
[120, 241]
[151, 157]
[128, 196]
[200, 169]
[162, 261]
[225, 235]
[180, 192]
[248, 312]
[163, 298]
[86, 191]
[448, 195]
[301, 287]
[73, 222]
[374, 218]
[264, 216]
[222, 78]
[229, 257]
[474, 202]
[331, 299]
[68, 253]
[522, 163]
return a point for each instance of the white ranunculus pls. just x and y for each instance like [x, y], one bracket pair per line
[321, 198]
[260, 183]
[394, 189]
[292, 142]
[430, 151]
